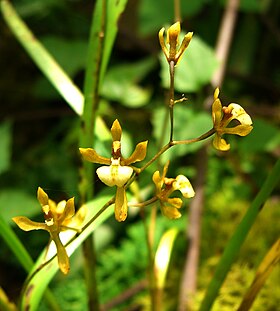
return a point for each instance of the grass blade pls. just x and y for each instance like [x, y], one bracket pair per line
[236, 241]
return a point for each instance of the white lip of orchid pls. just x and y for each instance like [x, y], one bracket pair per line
[115, 174]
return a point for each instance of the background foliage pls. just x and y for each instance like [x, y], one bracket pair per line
[39, 138]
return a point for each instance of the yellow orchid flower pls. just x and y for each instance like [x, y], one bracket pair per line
[222, 116]
[58, 217]
[166, 186]
[117, 171]
[174, 53]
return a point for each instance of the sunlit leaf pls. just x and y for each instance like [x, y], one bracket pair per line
[163, 255]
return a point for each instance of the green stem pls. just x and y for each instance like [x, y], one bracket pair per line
[91, 93]
[171, 98]
[236, 241]
[174, 143]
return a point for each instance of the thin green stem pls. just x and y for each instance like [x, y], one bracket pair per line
[232, 249]
[177, 11]
[174, 143]
[171, 98]
[91, 93]
[145, 203]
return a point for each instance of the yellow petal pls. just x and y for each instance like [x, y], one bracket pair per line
[162, 42]
[220, 144]
[216, 113]
[116, 130]
[241, 130]
[91, 155]
[77, 220]
[185, 43]
[170, 212]
[62, 257]
[27, 225]
[114, 175]
[175, 202]
[69, 210]
[183, 184]
[216, 93]
[138, 154]
[42, 197]
[158, 181]
[173, 33]
[240, 114]
[120, 204]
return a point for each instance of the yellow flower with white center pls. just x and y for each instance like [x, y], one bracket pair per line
[58, 217]
[117, 171]
[166, 186]
[173, 53]
[222, 116]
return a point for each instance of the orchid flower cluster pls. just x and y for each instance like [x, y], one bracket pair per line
[118, 171]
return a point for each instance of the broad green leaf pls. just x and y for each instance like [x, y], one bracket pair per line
[120, 83]
[34, 290]
[188, 124]
[194, 70]
[15, 202]
[264, 137]
[5, 146]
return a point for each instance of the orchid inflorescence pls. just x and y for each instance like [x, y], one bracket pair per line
[117, 171]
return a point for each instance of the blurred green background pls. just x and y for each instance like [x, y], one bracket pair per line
[39, 136]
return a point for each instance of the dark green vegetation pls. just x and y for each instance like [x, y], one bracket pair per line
[39, 141]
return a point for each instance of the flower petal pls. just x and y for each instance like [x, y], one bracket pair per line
[240, 114]
[116, 130]
[27, 225]
[69, 210]
[241, 130]
[138, 154]
[91, 155]
[42, 197]
[185, 43]
[114, 175]
[170, 212]
[220, 144]
[62, 257]
[162, 42]
[120, 204]
[216, 113]
[183, 184]
[175, 202]
[77, 220]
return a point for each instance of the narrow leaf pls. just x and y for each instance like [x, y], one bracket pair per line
[265, 268]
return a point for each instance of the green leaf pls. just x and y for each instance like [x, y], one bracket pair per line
[195, 68]
[151, 21]
[120, 83]
[15, 202]
[188, 124]
[38, 283]
[5, 146]
[264, 137]
[70, 54]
